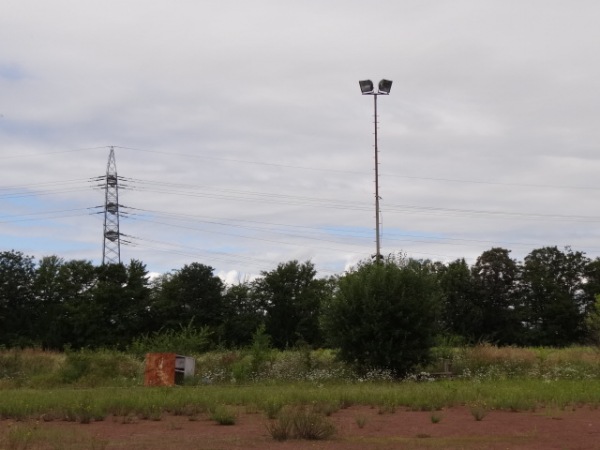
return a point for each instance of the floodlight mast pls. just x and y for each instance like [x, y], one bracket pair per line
[384, 88]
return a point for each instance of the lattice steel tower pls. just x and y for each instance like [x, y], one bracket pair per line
[111, 249]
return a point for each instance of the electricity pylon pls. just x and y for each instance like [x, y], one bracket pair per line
[111, 249]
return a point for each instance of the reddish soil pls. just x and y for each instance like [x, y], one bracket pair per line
[456, 429]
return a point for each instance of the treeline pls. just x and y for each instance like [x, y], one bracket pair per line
[547, 299]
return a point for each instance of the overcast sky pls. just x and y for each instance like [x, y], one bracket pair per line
[242, 139]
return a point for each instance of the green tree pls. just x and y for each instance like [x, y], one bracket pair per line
[106, 324]
[291, 296]
[49, 297]
[122, 297]
[592, 290]
[495, 277]
[384, 315]
[592, 322]
[244, 313]
[191, 294]
[592, 278]
[137, 297]
[555, 298]
[75, 282]
[461, 312]
[18, 312]
[46, 279]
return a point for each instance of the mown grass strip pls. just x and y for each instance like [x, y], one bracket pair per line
[516, 395]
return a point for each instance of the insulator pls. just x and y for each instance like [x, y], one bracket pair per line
[111, 235]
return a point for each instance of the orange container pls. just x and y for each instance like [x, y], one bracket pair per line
[160, 369]
[167, 369]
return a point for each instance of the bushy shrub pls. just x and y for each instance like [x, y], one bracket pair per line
[383, 315]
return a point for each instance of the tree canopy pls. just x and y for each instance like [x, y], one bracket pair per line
[548, 299]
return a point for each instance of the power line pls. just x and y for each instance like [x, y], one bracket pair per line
[322, 233]
[255, 238]
[51, 183]
[410, 177]
[267, 228]
[497, 214]
[319, 169]
[232, 194]
[492, 183]
[34, 155]
[195, 252]
[297, 232]
[19, 217]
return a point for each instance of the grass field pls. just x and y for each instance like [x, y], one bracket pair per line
[85, 386]
[292, 394]
[84, 405]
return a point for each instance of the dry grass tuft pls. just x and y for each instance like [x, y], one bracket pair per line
[300, 422]
[490, 354]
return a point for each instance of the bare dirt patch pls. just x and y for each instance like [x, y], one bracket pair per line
[357, 428]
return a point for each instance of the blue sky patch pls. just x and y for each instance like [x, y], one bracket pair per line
[11, 72]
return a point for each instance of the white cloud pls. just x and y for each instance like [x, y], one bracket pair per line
[253, 137]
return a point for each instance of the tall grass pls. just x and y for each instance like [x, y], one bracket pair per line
[38, 369]
[471, 363]
[41, 369]
[242, 366]
[491, 362]
[28, 367]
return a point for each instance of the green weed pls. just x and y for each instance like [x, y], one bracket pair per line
[436, 417]
[223, 415]
[272, 408]
[479, 410]
[311, 425]
[361, 421]
[282, 428]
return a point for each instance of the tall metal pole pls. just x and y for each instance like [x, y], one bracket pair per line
[367, 88]
[377, 239]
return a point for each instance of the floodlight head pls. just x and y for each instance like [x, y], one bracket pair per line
[385, 86]
[366, 86]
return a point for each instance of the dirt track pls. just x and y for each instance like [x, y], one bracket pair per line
[456, 429]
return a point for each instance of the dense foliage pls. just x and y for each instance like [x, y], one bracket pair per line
[547, 299]
[384, 315]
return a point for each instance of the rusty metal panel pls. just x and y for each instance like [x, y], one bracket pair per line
[160, 369]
